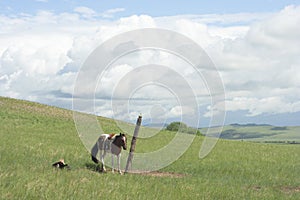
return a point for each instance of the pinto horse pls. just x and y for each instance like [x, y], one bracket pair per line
[109, 143]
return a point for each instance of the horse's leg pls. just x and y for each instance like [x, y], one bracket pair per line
[102, 154]
[119, 159]
[112, 163]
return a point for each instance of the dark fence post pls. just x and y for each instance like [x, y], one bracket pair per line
[133, 142]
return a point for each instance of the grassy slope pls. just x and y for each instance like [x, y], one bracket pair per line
[33, 136]
[260, 133]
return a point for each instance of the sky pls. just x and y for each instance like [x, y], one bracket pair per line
[254, 45]
[154, 8]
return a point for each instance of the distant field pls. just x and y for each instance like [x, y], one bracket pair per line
[33, 136]
[261, 133]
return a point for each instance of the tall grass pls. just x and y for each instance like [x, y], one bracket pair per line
[33, 136]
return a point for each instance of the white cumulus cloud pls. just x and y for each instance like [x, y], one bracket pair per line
[257, 55]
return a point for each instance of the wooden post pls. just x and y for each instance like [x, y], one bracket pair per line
[133, 142]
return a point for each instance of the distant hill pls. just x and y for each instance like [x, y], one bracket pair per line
[156, 125]
[259, 133]
[249, 124]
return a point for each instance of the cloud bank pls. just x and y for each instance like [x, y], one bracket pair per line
[257, 55]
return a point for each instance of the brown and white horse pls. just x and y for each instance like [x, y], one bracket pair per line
[109, 143]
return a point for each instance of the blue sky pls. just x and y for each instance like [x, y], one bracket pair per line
[254, 44]
[153, 7]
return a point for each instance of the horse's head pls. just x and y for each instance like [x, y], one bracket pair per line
[121, 141]
[124, 141]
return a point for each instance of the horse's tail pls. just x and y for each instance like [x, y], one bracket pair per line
[94, 152]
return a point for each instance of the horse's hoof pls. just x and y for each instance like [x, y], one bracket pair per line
[120, 173]
[98, 169]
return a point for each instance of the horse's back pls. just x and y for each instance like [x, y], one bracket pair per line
[104, 136]
[107, 136]
[104, 141]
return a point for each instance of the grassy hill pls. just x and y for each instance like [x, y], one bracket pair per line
[33, 136]
[261, 133]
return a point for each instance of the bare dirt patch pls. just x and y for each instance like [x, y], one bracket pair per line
[159, 174]
[256, 188]
[285, 189]
[290, 189]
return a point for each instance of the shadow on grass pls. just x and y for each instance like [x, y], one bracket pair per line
[94, 167]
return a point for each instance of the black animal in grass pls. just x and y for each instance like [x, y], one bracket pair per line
[61, 164]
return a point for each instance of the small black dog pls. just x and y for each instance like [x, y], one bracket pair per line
[61, 164]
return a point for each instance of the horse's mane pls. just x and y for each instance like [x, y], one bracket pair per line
[111, 136]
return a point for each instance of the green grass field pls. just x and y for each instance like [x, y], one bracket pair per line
[33, 136]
